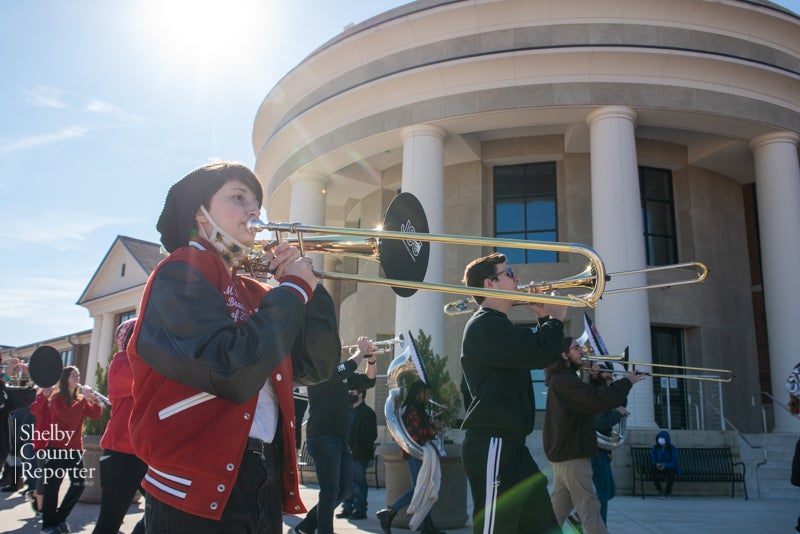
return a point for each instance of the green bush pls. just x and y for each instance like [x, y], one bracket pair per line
[98, 426]
[443, 389]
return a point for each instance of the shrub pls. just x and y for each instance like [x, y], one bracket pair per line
[443, 389]
[98, 426]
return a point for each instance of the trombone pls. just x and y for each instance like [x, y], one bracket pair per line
[380, 347]
[716, 375]
[402, 246]
[585, 280]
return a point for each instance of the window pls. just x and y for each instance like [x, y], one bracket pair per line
[525, 208]
[124, 316]
[68, 357]
[658, 211]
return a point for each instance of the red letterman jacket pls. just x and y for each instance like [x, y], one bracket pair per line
[117, 436]
[203, 346]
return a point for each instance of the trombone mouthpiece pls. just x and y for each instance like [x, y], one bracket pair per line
[255, 225]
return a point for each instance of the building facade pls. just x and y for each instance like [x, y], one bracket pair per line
[654, 132]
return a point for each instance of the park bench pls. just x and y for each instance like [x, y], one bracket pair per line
[697, 464]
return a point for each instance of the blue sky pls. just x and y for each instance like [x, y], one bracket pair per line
[104, 104]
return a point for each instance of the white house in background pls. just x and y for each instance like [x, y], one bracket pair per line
[115, 291]
[112, 296]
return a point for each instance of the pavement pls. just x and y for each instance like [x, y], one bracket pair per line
[627, 515]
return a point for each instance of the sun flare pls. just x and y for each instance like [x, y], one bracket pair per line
[205, 33]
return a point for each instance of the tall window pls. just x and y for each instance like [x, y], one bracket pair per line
[525, 208]
[68, 357]
[658, 209]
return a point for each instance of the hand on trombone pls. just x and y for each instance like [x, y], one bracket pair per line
[544, 310]
[286, 261]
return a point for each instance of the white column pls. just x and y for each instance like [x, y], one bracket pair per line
[617, 229]
[101, 344]
[778, 192]
[94, 348]
[423, 176]
[308, 203]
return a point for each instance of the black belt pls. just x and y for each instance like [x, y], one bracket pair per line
[262, 447]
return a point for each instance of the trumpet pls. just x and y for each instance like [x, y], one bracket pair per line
[586, 279]
[380, 347]
[91, 391]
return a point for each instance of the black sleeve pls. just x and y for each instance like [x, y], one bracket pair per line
[20, 397]
[796, 465]
[495, 341]
[361, 381]
[188, 335]
[317, 349]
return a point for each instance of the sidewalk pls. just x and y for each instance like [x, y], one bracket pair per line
[627, 515]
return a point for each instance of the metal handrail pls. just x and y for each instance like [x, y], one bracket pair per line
[747, 442]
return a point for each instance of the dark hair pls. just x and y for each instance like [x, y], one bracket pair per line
[480, 269]
[63, 385]
[561, 364]
[177, 221]
[412, 400]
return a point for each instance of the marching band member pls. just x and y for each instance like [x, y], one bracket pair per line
[215, 357]
[570, 440]
[509, 492]
[68, 409]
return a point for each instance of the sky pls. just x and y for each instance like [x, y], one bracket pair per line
[105, 104]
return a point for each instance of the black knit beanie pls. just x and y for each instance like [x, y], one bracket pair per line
[177, 221]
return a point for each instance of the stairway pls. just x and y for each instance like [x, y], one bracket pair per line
[771, 479]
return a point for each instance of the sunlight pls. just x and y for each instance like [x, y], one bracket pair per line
[204, 34]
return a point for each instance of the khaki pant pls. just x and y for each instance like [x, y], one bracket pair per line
[573, 488]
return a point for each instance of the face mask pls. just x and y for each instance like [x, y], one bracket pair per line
[353, 398]
[231, 250]
[662, 441]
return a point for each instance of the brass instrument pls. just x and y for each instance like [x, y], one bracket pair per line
[716, 375]
[617, 437]
[408, 361]
[586, 280]
[380, 347]
[402, 246]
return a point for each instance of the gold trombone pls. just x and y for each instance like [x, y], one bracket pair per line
[402, 246]
[586, 279]
[716, 375]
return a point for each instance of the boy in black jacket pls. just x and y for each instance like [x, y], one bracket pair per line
[509, 492]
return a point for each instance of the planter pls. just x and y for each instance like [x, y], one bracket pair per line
[91, 461]
[450, 511]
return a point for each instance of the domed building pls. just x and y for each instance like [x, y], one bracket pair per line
[655, 132]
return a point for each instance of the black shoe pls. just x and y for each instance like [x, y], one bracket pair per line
[344, 514]
[385, 517]
[64, 527]
[358, 515]
[428, 527]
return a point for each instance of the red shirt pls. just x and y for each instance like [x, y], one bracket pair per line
[117, 436]
[68, 420]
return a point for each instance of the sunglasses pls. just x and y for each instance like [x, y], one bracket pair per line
[507, 271]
